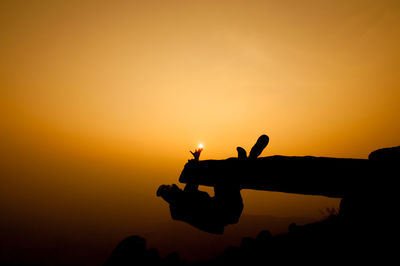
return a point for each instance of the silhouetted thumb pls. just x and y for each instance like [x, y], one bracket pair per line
[241, 153]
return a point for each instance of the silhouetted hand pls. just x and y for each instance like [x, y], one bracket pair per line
[196, 154]
[257, 149]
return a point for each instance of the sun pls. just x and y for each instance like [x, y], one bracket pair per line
[201, 146]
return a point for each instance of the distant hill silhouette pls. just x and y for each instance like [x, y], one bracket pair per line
[173, 236]
[332, 240]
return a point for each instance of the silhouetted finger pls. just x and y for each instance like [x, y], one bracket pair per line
[260, 145]
[241, 153]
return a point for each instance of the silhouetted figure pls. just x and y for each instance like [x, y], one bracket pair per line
[256, 150]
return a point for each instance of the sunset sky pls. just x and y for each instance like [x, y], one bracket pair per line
[102, 101]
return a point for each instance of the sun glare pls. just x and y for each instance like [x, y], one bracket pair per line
[201, 146]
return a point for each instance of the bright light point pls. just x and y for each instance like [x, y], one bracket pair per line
[201, 146]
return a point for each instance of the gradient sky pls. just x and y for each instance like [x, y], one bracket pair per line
[101, 101]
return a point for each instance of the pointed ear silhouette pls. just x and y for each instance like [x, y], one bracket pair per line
[260, 145]
[242, 154]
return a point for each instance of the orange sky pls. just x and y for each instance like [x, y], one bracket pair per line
[101, 102]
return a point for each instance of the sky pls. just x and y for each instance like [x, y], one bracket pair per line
[101, 101]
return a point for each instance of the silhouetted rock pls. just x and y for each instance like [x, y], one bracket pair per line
[248, 243]
[230, 256]
[332, 177]
[264, 242]
[349, 235]
[351, 179]
[210, 214]
[264, 237]
[153, 257]
[385, 155]
[292, 227]
[172, 259]
[130, 251]
[333, 240]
